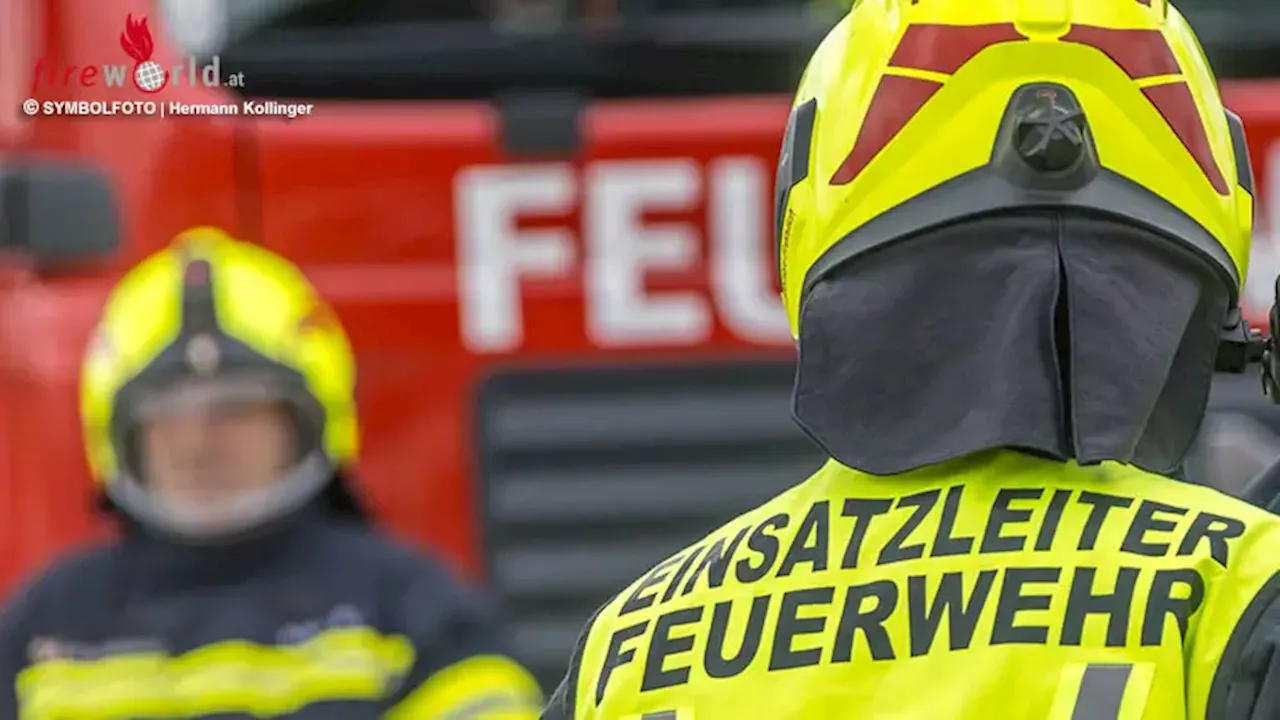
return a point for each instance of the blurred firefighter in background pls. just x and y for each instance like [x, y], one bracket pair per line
[1011, 238]
[220, 420]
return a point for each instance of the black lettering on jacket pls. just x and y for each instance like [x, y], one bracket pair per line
[1177, 592]
[615, 657]
[1102, 505]
[715, 564]
[1052, 516]
[791, 625]
[662, 646]
[894, 551]
[962, 614]
[637, 600]
[764, 542]
[854, 618]
[945, 542]
[1005, 631]
[1214, 528]
[1001, 515]
[1145, 521]
[719, 666]
[861, 511]
[812, 541]
[1082, 602]
[681, 571]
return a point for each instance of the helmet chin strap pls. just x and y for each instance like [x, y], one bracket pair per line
[206, 523]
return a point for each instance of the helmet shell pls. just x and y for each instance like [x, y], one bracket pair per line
[262, 314]
[903, 97]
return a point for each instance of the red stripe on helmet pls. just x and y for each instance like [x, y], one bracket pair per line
[944, 48]
[896, 101]
[1140, 53]
[1175, 103]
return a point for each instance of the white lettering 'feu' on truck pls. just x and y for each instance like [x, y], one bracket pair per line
[618, 247]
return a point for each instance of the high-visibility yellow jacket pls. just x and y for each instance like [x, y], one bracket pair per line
[995, 586]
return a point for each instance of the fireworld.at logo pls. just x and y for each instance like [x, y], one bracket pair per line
[148, 76]
[144, 74]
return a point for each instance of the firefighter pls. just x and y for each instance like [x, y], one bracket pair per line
[1011, 240]
[219, 416]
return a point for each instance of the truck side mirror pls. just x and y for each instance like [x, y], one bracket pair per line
[57, 212]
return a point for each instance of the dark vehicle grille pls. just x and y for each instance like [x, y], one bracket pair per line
[591, 477]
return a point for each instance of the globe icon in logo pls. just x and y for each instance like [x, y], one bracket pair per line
[149, 76]
[137, 44]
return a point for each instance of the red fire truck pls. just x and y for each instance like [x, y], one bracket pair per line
[573, 356]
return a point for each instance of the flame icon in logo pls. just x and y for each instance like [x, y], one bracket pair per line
[136, 42]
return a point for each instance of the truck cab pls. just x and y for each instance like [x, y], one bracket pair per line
[547, 231]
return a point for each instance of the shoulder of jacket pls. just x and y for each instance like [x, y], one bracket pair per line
[383, 553]
[406, 574]
[1200, 497]
[58, 590]
[78, 569]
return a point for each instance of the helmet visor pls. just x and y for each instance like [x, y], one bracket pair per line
[210, 399]
[210, 454]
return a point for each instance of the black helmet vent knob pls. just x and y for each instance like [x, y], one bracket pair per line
[1050, 131]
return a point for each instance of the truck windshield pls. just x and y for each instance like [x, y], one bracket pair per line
[472, 49]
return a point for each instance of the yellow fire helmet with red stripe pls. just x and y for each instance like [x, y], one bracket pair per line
[914, 113]
[1006, 223]
[212, 309]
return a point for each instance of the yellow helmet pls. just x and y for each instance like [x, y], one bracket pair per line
[914, 113]
[211, 307]
[1007, 223]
